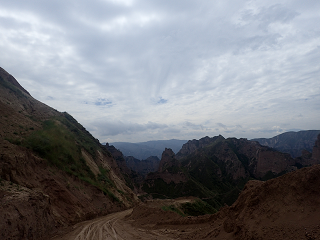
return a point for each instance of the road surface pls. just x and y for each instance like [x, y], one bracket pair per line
[111, 227]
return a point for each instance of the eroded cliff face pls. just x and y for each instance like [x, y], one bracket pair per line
[238, 158]
[259, 160]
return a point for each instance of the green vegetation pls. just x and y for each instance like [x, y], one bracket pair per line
[60, 142]
[11, 87]
[173, 209]
[197, 208]
[16, 141]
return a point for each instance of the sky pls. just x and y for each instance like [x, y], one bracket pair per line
[140, 70]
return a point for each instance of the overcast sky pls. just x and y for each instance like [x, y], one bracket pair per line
[139, 70]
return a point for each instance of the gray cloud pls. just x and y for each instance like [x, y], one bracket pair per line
[110, 128]
[140, 70]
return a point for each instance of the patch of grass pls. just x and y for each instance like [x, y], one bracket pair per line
[103, 177]
[197, 208]
[60, 142]
[81, 135]
[55, 144]
[14, 141]
[173, 209]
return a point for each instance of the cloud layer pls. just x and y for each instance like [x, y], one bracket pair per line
[138, 70]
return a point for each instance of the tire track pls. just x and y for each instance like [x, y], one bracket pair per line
[111, 227]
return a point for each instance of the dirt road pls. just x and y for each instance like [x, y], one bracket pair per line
[113, 227]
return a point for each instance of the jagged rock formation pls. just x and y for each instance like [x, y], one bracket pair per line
[241, 158]
[291, 142]
[193, 145]
[53, 173]
[168, 160]
[215, 169]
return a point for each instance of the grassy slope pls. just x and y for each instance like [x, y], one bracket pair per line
[61, 141]
[56, 137]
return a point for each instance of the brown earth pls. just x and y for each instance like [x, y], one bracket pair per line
[36, 199]
[287, 207]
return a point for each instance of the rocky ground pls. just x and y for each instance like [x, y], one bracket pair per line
[287, 207]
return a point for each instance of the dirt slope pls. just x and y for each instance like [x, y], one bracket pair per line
[287, 207]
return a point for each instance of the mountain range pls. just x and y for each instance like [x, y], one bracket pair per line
[143, 150]
[216, 169]
[293, 143]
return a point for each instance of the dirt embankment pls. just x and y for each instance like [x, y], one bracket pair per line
[287, 207]
[36, 199]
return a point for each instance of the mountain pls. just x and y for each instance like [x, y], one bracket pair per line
[143, 167]
[53, 172]
[143, 150]
[215, 169]
[291, 142]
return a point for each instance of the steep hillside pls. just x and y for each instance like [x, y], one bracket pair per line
[291, 142]
[215, 169]
[52, 171]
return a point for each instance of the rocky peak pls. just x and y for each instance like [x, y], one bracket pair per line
[167, 160]
[11, 79]
[193, 145]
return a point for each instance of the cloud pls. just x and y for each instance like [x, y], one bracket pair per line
[162, 101]
[190, 68]
[102, 102]
[113, 128]
[222, 126]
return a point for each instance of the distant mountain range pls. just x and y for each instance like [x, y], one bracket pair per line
[143, 150]
[291, 142]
